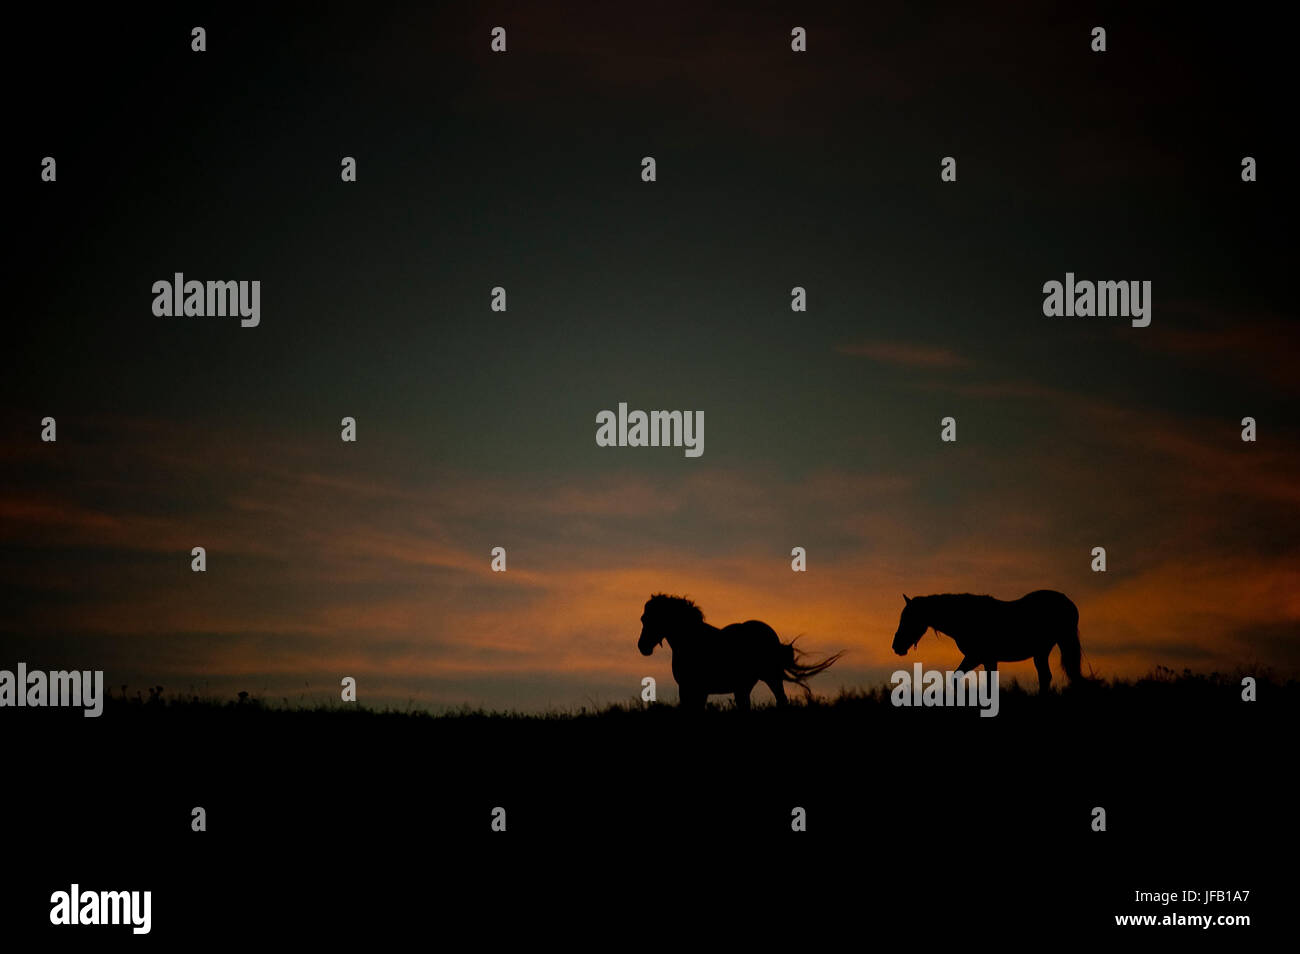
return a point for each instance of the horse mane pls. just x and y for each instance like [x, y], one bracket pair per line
[955, 600]
[676, 605]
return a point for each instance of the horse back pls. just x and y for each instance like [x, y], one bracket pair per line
[1049, 604]
[751, 632]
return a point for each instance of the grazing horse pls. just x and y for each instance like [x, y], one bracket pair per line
[729, 660]
[989, 631]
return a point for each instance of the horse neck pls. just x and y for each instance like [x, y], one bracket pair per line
[940, 614]
[687, 636]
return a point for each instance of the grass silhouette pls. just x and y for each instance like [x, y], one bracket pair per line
[1099, 698]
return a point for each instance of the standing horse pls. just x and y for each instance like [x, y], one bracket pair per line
[990, 631]
[708, 660]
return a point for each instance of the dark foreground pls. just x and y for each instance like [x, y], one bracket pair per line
[921, 823]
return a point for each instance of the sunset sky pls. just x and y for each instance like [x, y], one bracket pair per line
[477, 429]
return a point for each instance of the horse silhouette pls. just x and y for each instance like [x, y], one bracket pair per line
[989, 631]
[708, 660]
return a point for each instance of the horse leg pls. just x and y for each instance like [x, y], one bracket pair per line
[690, 699]
[1044, 673]
[966, 667]
[777, 686]
[742, 698]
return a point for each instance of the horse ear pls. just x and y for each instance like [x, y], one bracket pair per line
[906, 599]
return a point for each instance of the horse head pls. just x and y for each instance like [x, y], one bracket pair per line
[911, 627]
[665, 616]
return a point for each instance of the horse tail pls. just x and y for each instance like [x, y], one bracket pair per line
[1070, 655]
[796, 671]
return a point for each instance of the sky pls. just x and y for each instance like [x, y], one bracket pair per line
[476, 429]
